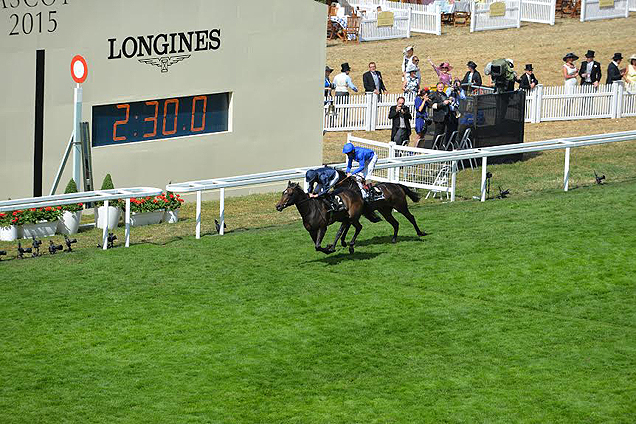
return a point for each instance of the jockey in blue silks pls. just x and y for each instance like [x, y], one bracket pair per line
[324, 178]
[366, 158]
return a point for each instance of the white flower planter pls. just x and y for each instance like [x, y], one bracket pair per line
[113, 217]
[171, 216]
[41, 229]
[146, 218]
[9, 233]
[69, 222]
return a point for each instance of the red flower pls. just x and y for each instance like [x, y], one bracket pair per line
[19, 211]
[59, 208]
[2, 215]
[181, 200]
[15, 213]
[32, 209]
[14, 220]
[171, 196]
[48, 208]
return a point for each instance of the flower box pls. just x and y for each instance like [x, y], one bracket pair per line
[40, 229]
[138, 219]
[69, 222]
[9, 233]
[113, 217]
[171, 217]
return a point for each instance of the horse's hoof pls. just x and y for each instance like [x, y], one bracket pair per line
[394, 240]
[344, 244]
[330, 247]
[351, 250]
[422, 234]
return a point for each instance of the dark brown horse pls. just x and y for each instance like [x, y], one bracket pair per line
[394, 198]
[317, 217]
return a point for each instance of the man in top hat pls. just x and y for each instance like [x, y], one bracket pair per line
[613, 73]
[342, 81]
[590, 71]
[372, 80]
[528, 81]
[472, 77]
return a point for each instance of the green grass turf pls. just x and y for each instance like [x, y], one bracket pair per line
[516, 310]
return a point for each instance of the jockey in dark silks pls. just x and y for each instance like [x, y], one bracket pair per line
[320, 181]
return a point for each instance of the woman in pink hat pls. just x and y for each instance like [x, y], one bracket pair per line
[443, 72]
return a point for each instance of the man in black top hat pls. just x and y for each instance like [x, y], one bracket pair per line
[528, 81]
[590, 71]
[613, 73]
[472, 77]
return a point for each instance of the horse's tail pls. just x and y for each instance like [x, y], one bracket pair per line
[412, 195]
[371, 215]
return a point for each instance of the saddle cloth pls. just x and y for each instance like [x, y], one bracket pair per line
[337, 203]
[375, 194]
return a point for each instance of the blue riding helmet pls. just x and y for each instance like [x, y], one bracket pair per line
[347, 148]
[311, 175]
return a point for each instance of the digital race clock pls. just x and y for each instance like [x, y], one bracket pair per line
[158, 119]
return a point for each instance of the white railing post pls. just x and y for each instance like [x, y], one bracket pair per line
[374, 112]
[620, 95]
[453, 180]
[484, 162]
[552, 12]
[566, 170]
[614, 103]
[539, 102]
[473, 16]
[127, 221]
[392, 171]
[198, 216]
[519, 14]
[105, 230]
[367, 112]
[408, 24]
[221, 211]
[583, 10]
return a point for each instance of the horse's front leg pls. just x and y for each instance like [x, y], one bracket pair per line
[319, 237]
[343, 228]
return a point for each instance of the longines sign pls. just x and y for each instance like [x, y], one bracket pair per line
[163, 50]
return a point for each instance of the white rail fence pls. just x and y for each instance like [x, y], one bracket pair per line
[365, 112]
[85, 197]
[423, 18]
[539, 11]
[370, 31]
[632, 5]
[591, 10]
[482, 19]
[400, 162]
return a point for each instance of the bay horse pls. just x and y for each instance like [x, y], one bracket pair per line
[394, 198]
[316, 216]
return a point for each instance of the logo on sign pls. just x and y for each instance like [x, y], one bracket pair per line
[164, 50]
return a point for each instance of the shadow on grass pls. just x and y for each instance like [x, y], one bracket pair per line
[345, 256]
[387, 240]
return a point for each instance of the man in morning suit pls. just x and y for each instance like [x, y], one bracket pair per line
[372, 80]
[528, 81]
[590, 71]
[613, 73]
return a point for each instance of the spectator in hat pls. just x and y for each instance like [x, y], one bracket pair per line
[590, 71]
[372, 80]
[342, 82]
[407, 59]
[328, 84]
[613, 73]
[472, 77]
[630, 73]
[569, 71]
[443, 72]
[411, 83]
[528, 81]
[416, 61]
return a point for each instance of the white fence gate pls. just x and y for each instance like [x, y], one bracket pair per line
[591, 10]
[539, 11]
[424, 18]
[482, 19]
[435, 177]
[632, 5]
[370, 31]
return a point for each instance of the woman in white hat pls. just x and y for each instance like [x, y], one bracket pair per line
[630, 73]
[411, 83]
[407, 60]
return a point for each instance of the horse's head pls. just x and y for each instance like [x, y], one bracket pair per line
[289, 196]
